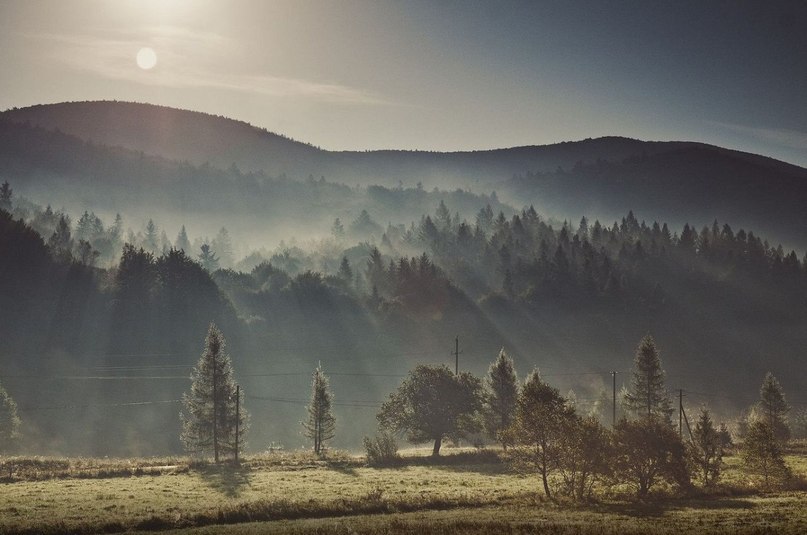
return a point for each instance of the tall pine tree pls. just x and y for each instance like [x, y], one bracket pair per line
[320, 426]
[213, 420]
[647, 395]
[500, 404]
[773, 407]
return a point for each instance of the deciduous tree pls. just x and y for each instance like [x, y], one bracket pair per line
[542, 418]
[647, 451]
[432, 404]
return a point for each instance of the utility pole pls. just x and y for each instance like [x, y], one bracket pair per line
[457, 356]
[237, 417]
[681, 413]
[686, 421]
[215, 414]
[613, 374]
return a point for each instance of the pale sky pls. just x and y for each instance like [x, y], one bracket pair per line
[432, 75]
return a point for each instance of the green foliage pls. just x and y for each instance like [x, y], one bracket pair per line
[502, 394]
[320, 426]
[647, 395]
[762, 454]
[9, 422]
[648, 451]
[381, 450]
[210, 414]
[542, 420]
[432, 404]
[706, 450]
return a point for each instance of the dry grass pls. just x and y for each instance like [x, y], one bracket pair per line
[466, 491]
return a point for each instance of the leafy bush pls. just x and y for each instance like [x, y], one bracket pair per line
[382, 450]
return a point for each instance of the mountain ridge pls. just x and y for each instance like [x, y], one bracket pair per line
[676, 181]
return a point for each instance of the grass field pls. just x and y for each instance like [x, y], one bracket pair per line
[467, 492]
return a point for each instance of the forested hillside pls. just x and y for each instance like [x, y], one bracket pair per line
[82, 342]
[55, 167]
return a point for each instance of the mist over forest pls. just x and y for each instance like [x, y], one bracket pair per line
[128, 245]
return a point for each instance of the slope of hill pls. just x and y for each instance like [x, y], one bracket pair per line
[676, 181]
[56, 167]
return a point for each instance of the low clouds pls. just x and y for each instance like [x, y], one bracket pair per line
[186, 59]
[793, 139]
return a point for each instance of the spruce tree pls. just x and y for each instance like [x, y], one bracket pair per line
[182, 242]
[151, 240]
[320, 425]
[211, 413]
[6, 194]
[706, 449]
[9, 422]
[773, 407]
[208, 258]
[647, 395]
[223, 246]
[500, 404]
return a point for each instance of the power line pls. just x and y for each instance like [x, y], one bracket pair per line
[89, 406]
[347, 403]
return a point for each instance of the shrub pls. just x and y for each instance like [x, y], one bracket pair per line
[382, 450]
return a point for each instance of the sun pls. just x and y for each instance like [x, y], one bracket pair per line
[146, 58]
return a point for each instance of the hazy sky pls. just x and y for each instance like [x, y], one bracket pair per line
[432, 75]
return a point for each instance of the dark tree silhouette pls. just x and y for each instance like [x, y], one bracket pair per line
[502, 394]
[706, 450]
[208, 258]
[647, 451]
[647, 395]
[6, 194]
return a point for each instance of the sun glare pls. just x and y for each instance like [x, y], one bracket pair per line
[146, 58]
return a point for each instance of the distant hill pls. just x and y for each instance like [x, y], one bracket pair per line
[674, 181]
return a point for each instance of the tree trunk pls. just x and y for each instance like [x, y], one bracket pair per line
[437, 443]
[546, 484]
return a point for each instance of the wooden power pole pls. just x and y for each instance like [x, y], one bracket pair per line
[613, 415]
[215, 415]
[457, 356]
[237, 417]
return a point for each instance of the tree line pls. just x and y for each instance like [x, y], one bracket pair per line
[540, 431]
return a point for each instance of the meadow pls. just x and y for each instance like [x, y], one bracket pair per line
[466, 491]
